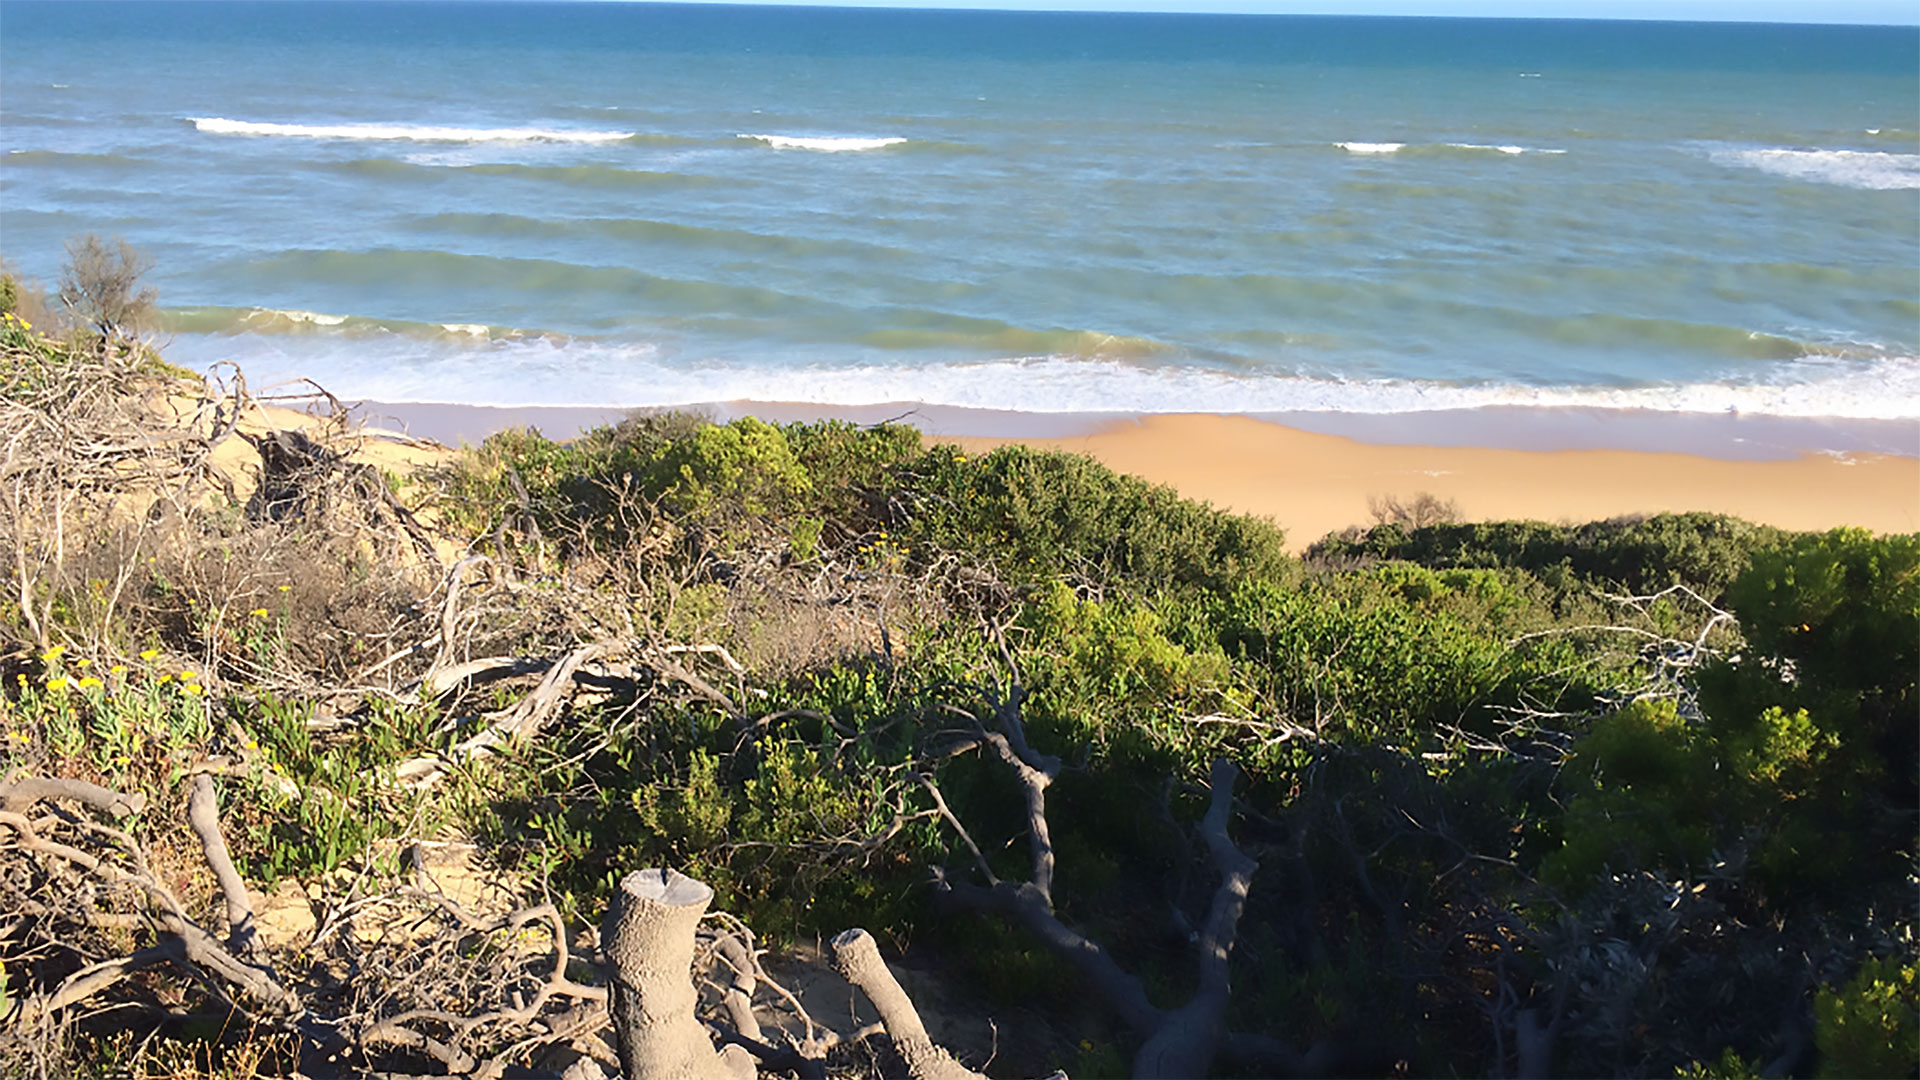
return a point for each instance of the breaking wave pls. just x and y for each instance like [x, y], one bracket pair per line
[1867, 170]
[826, 144]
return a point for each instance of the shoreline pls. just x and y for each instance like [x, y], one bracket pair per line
[1314, 474]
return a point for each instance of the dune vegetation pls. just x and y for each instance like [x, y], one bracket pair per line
[311, 764]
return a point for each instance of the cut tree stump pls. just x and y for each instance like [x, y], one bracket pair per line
[648, 946]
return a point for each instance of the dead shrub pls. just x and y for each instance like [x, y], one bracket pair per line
[1416, 512]
[100, 287]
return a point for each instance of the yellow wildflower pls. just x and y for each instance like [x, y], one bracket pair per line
[56, 684]
[164, 679]
[258, 613]
[53, 654]
[284, 588]
[116, 669]
[88, 683]
[19, 737]
[193, 688]
[188, 676]
[148, 654]
[82, 662]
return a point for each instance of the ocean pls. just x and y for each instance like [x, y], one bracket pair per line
[657, 204]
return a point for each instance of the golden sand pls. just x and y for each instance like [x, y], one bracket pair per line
[1312, 484]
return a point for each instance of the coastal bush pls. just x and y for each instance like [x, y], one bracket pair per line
[1870, 1027]
[1038, 515]
[1707, 551]
[677, 471]
[1789, 760]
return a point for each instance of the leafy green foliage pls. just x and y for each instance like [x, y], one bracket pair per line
[1038, 515]
[1871, 1026]
[339, 795]
[1647, 794]
[1707, 551]
[613, 485]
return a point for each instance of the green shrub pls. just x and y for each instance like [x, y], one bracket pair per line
[1642, 791]
[1804, 752]
[1871, 1026]
[1037, 514]
[1707, 551]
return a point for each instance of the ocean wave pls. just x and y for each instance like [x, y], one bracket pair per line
[263, 323]
[1867, 170]
[1508, 149]
[215, 125]
[500, 370]
[826, 144]
[1504, 149]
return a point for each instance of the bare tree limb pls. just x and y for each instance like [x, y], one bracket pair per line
[19, 794]
[203, 813]
[856, 956]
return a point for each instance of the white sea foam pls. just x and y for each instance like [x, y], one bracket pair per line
[519, 370]
[215, 125]
[1504, 149]
[823, 143]
[313, 318]
[1394, 148]
[1870, 170]
[478, 330]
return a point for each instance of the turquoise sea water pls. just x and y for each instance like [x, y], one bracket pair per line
[639, 204]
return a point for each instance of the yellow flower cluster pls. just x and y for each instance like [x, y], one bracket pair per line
[59, 682]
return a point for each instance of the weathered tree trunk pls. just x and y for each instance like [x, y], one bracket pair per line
[857, 957]
[648, 942]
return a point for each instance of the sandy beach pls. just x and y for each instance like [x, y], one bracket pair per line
[1537, 465]
[1313, 484]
